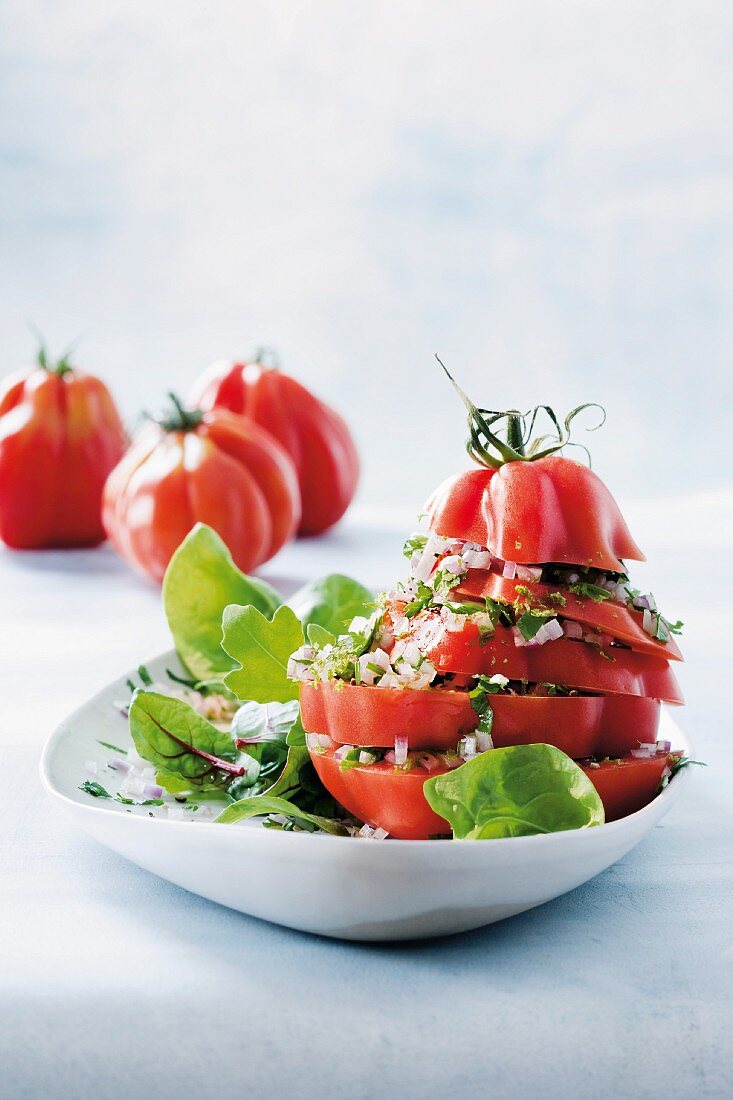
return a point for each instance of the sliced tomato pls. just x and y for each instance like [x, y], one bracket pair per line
[383, 796]
[601, 725]
[354, 714]
[570, 663]
[628, 784]
[553, 509]
[609, 617]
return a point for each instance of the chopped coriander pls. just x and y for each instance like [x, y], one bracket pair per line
[144, 675]
[530, 622]
[415, 544]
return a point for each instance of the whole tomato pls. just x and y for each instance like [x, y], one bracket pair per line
[60, 435]
[193, 467]
[314, 435]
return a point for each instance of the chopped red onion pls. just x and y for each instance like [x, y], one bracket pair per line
[510, 570]
[573, 630]
[484, 741]
[400, 749]
[529, 572]
[389, 757]
[429, 761]
[152, 790]
[118, 765]
[664, 746]
[91, 767]
[342, 752]
[380, 834]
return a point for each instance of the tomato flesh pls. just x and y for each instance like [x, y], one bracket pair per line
[570, 663]
[628, 784]
[431, 719]
[609, 617]
[383, 796]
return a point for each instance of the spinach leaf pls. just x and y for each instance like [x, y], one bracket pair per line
[517, 791]
[270, 804]
[180, 742]
[261, 647]
[200, 581]
[331, 602]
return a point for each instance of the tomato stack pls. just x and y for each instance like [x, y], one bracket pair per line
[517, 625]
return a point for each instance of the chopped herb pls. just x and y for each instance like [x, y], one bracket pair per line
[529, 623]
[415, 544]
[593, 591]
[112, 748]
[90, 786]
[557, 598]
[557, 689]
[144, 675]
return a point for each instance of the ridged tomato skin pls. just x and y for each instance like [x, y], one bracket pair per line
[60, 435]
[573, 664]
[315, 436]
[628, 784]
[435, 720]
[226, 472]
[609, 617]
[384, 797]
[550, 510]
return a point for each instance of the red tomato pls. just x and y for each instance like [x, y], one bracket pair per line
[569, 663]
[354, 714]
[314, 435]
[436, 719]
[609, 617]
[628, 784]
[60, 435]
[549, 510]
[383, 796]
[214, 468]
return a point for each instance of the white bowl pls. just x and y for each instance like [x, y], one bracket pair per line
[334, 886]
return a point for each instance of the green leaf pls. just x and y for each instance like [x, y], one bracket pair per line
[531, 621]
[265, 721]
[268, 804]
[593, 591]
[331, 602]
[90, 786]
[318, 635]
[261, 647]
[517, 791]
[291, 777]
[177, 740]
[200, 581]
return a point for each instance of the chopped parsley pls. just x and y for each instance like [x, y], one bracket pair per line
[593, 591]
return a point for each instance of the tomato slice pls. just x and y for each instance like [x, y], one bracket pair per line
[600, 725]
[386, 797]
[383, 796]
[570, 663]
[628, 784]
[553, 509]
[609, 617]
[354, 714]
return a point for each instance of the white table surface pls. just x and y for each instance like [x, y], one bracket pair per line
[114, 983]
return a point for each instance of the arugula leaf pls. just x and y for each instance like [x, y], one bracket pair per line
[261, 647]
[331, 602]
[318, 635]
[200, 581]
[177, 740]
[517, 791]
[271, 804]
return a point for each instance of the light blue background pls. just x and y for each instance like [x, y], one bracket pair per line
[541, 192]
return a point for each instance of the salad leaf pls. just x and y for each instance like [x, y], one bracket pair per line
[517, 791]
[261, 648]
[331, 602]
[177, 740]
[271, 804]
[265, 722]
[318, 635]
[200, 581]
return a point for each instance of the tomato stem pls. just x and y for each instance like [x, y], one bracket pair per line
[179, 419]
[489, 449]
